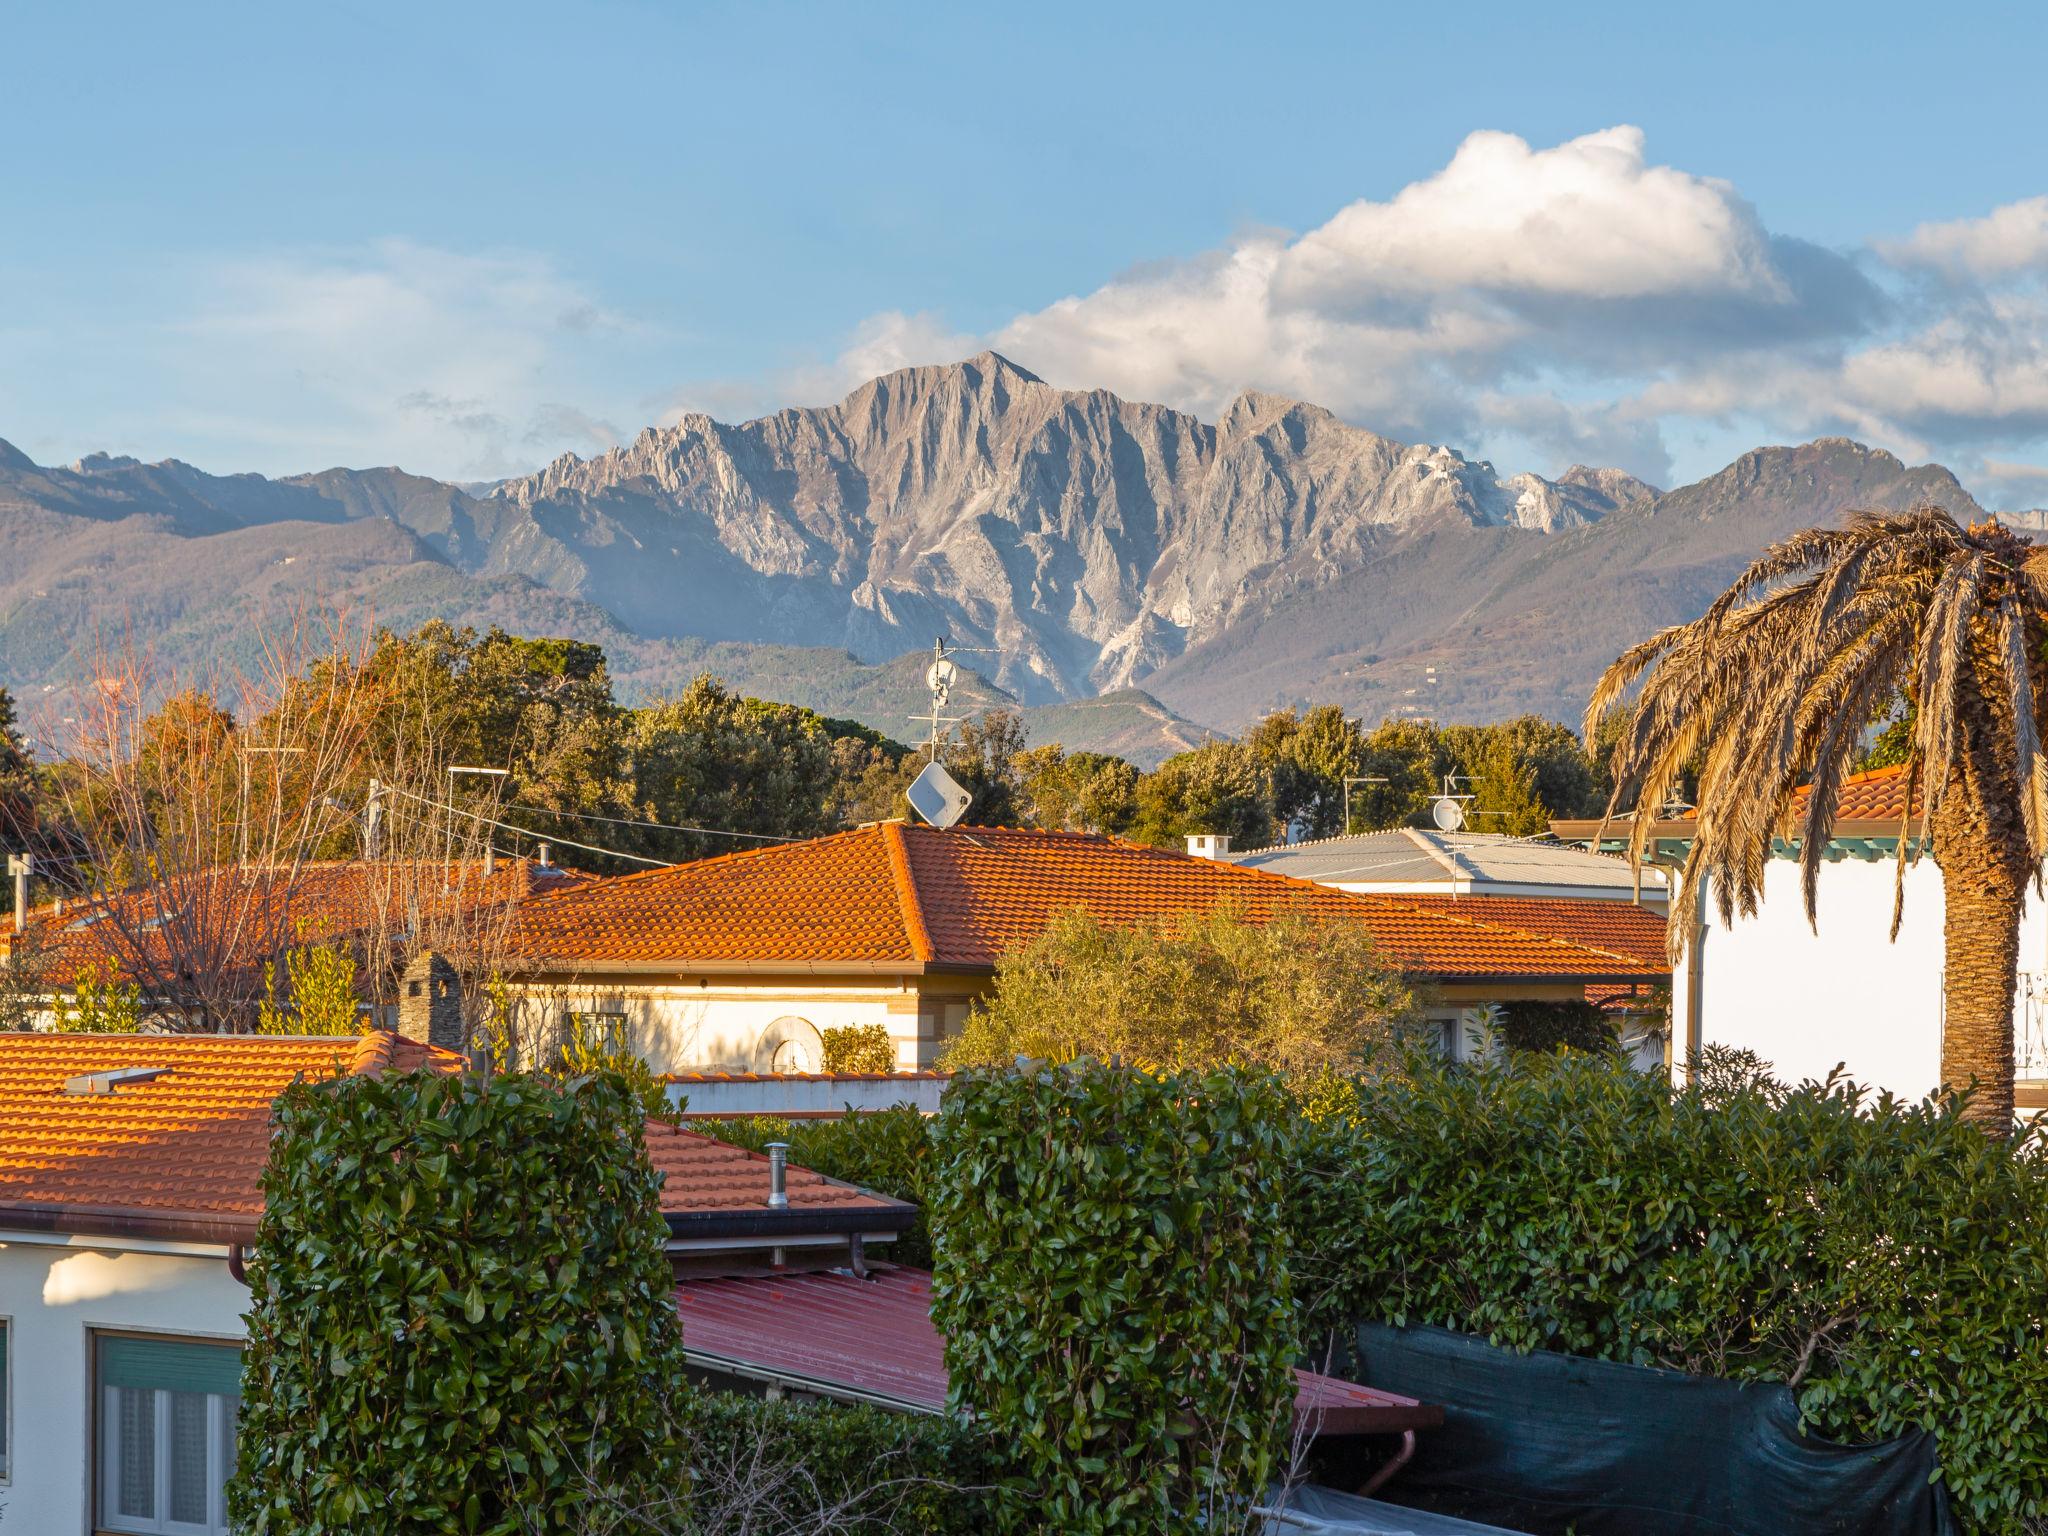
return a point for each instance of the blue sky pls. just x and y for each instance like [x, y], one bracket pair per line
[465, 238]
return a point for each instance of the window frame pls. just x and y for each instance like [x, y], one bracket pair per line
[103, 1458]
[7, 1343]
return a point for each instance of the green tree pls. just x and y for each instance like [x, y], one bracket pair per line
[1409, 757]
[18, 790]
[1297, 995]
[982, 755]
[713, 758]
[1523, 772]
[1307, 759]
[1077, 791]
[1219, 787]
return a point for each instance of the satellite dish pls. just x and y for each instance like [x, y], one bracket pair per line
[940, 674]
[1448, 815]
[937, 796]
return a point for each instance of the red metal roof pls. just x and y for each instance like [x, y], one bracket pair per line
[873, 1339]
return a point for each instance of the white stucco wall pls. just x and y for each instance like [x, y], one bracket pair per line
[55, 1297]
[1806, 1001]
[730, 1024]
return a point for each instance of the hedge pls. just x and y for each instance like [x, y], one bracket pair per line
[886, 1150]
[462, 1318]
[1111, 1279]
[1887, 1260]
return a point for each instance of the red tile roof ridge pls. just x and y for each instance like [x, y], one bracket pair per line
[906, 892]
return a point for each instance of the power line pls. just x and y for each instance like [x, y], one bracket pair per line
[666, 826]
[506, 826]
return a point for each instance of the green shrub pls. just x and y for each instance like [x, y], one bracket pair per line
[1541, 1028]
[794, 1469]
[1296, 994]
[101, 1002]
[886, 1150]
[1888, 1261]
[1111, 1279]
[859, 1048]
[319, 993]
[461, 1316]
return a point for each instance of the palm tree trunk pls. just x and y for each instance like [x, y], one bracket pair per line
[1984, 893]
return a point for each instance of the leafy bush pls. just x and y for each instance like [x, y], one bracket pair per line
[886, 1150]
[1542, 1028]
[1888, 1261]
[1111, 1280]
[320, 993]
[102, 1002]
[859, 1048]
[460, 1311]
[794, 1469]
[1199, 990]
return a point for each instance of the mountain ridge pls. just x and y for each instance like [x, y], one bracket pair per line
[1278, 555]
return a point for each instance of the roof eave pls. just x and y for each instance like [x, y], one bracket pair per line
[134, 1222]
[891, 1216]
[700, 966]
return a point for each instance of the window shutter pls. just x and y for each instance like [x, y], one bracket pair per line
[168, 1366]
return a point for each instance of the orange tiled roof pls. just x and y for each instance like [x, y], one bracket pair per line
[182, 1155]
[1619, 927]
[1876, 795]
[188, 1145]
[907, 898]
[254, 912]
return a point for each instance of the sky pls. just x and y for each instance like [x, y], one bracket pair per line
[464, 238]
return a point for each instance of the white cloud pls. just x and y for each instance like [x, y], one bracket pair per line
[1567, 303]
[1589, 218]
[443, 361]
[2008, 240]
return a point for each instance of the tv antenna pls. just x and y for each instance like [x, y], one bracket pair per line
[940, 677]
[1448, 809]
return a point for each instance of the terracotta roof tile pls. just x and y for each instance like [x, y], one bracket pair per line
[916, 898]
[271, 908]
[192, 1142]
[1619, 927]
[189, 1147]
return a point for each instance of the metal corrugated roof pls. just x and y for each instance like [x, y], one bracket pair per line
[1415, 856]
[872, 1339]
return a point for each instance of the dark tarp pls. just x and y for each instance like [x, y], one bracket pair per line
[1551, 1443]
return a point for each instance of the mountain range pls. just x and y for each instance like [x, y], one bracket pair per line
[1125, 569]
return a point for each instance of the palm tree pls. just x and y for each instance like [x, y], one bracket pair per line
[1773, 688]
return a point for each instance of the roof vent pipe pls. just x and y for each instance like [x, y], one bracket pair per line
[545, 850]
[778, 1175]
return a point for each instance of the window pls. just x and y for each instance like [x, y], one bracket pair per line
[165, 1439]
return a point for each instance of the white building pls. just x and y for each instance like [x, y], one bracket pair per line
[1838, 993]
[129, 1192]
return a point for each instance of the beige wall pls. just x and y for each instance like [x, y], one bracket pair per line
[693, 1023]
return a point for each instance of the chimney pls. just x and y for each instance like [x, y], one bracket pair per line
[778, 1174]
[490, 860]
[545, 850]
[1208, 845]
[19, 865]
[430, 1002]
